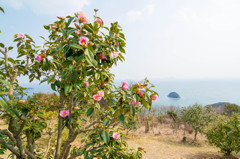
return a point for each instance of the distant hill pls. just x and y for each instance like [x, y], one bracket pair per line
[219, 104]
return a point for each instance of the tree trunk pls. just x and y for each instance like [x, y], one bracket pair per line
[146, 126]
[195, 135]
[228, 152]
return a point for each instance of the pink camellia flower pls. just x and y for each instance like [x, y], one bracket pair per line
[78, 32]
[116, 135]
[99, 21]
[103, 56]
[117, 44]
[20, 35]
[124, 83]
[139, 104]
[83, 41]
[35, 118]
[64, 113]
[100, 93]
[115, 54]
[86, 84]
[125, 87]
[132, 102]
[140, 91]
[97, 98]
[39, 58]
[82, 17]
[154, 97]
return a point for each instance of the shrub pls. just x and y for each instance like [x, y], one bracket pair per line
[198, 117]
[225, 134]
[231, 109]
[75, 61]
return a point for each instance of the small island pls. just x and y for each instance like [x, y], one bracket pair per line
[173, 95]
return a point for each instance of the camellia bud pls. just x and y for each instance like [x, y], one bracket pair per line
[74, 62]
[22, 101]
[91, 43]
[43, 55]
[60, 17]
[117, 35]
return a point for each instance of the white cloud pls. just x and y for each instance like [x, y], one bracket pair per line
[149, 9]
[135, 15]
[50, 7]
[18, 4]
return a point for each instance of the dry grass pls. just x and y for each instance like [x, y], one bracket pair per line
[162, 143]
[167, 145]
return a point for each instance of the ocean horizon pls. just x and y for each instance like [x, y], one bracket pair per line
[203, 92]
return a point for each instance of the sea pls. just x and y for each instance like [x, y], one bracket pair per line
[202, 92]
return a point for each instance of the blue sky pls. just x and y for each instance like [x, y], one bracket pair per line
[166, 39]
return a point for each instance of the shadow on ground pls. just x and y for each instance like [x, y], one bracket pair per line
[208, 156]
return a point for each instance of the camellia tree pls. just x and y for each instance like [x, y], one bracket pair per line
[75, 61]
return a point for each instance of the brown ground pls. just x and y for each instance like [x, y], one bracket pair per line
[166, 145]
[162, 143]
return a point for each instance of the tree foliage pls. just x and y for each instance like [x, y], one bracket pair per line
[225, 134]
[198, 117]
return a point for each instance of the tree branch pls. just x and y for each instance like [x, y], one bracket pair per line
[30, 154]
[11, 148]
[6, 62]
[7, 133]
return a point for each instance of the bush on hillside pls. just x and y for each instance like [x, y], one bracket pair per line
[225, 134]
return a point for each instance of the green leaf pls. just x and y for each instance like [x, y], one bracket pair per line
[3, 104]
[51, 78]
[145, 104]
[11, 60]
[1, 93]
[122, 49]
[14, 112]
[1, 45]
[106, 122]
[76, 46]
[69, 21]
[66, 49]
[53, 86]
[121, 117]
[6, 83]
[105, 136]
[80, 58]
[1, 9]
[25, 112]
[132, 109]
[10, 48]
[90, 111]
[88, 28]
[68, 88]
[64, 32]
[97, 76]
[71, 31]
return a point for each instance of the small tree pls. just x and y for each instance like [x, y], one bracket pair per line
[198, 117]
[75, 60]
[231, 109]
[225, 134]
